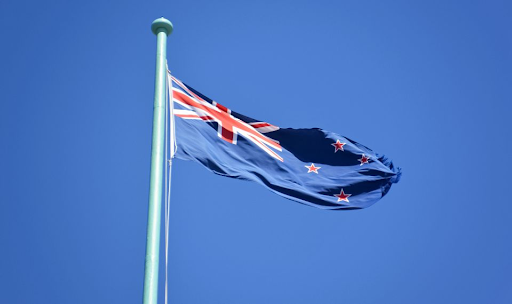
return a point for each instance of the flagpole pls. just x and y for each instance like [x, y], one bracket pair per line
[161, 28]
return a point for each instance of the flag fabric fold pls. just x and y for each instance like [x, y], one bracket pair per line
[311, 166]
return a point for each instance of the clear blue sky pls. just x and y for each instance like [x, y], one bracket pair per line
[427, 84]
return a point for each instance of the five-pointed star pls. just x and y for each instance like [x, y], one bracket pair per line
[342, 196]
[338, 145]
[312, 168]
[364, 159]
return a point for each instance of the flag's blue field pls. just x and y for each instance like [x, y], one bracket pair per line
[281, 159]
[426, 84]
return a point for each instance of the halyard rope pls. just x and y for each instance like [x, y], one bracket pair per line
[170, 150]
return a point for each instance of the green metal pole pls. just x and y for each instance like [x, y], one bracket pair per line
[161, 28]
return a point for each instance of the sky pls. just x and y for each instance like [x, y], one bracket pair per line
[427, 83]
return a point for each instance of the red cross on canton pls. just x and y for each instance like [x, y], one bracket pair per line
[228, 126]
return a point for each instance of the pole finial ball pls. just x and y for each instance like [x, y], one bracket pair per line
[161, 24]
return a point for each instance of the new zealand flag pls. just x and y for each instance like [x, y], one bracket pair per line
[311, 166]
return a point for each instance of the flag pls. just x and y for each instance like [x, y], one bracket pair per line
[311, 166]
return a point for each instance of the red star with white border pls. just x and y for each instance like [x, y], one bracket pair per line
[338, 145]
[364, 160]
[342, 196]
[312, 168]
